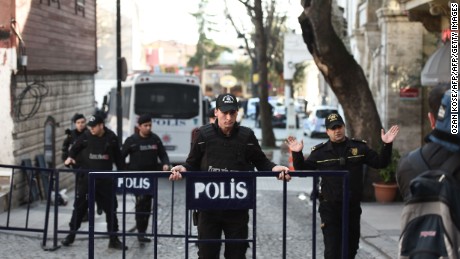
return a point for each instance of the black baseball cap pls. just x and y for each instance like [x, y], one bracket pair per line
[227, 102]
[144, 118]
[333, 119]
[95, 120]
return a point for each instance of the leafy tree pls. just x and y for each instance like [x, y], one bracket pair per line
[266, 53]
[207, 50]
[242, 71]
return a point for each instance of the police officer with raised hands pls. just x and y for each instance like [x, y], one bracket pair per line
[225, 146]
[144, 149]
[97, 149]
[341, 153]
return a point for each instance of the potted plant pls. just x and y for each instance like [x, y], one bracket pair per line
[385, 191]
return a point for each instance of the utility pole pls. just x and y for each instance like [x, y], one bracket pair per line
[119, 76]
[294, 52]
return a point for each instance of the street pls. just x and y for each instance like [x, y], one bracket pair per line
[269, 228]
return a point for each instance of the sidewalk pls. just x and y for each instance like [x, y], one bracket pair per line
[380, 228]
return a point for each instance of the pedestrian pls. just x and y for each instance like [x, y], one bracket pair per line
[225, 146]
[341, 153]
[257, 119]
[211, 118]
[440, 145]
[144, 149]
[212, 115]
[97, 149]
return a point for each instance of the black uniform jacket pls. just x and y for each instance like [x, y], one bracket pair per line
[226, 153]
[144, 152]
[72, 136]
[97, 153]
[356, 154]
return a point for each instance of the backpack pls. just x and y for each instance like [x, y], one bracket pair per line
[430, 220]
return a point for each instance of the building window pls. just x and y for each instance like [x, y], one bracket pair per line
[80, 7]
[56, 2]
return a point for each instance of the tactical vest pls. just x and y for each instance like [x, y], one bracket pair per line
[144, 159]
[97, 153]
[221, 154]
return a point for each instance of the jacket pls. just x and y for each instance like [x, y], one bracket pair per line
[144, 152]
[207, 151]
[356, 154]
[98, 153]
[434, 155]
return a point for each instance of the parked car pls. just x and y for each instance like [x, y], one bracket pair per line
[251, 107]
[314, 124]
[279, 113]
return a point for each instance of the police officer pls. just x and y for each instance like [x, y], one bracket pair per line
[79, 121]
[225, 146]
[96, 149]
[144, 149]
[341, 153]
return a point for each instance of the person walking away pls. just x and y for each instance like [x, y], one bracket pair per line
[144, 150]
[225, 146]
[97, 149]
[440, 144]
[341, 153]
[429, 179]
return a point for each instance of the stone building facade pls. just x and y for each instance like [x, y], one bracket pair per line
[392, 49]
[48, 62]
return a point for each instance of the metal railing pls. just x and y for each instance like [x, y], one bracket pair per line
[52, 180]
[218, 176]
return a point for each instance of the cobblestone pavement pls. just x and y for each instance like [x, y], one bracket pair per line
[269, 229]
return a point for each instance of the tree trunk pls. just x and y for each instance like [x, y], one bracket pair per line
[268, 137]
[345, 77]
[340, 70]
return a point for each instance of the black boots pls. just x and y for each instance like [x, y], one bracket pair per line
[68, 240]
[143, 239]
[115, 243]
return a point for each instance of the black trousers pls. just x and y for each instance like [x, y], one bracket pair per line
[143, 210]
[234, 225]
[105, 197]
[331, 226]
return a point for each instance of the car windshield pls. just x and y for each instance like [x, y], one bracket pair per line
[323, 113]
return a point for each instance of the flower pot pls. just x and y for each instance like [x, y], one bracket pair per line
[385, 192]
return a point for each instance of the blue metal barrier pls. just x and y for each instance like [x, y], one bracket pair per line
[29, 173]
[53, 176]
[190, 205]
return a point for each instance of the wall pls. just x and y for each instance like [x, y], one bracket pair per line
[60, 44]
[56, 38]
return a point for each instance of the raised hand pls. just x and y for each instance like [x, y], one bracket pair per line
[390, 135]
[294, 144]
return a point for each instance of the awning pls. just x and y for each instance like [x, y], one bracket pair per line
[437, 69]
